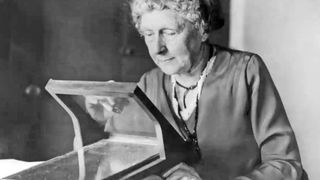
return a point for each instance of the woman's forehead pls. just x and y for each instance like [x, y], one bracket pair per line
[161, 18]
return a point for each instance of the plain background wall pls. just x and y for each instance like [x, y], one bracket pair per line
[286, 34]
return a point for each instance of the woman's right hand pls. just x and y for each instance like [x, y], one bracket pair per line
[100, 108]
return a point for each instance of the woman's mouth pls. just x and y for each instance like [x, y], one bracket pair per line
[165, 59]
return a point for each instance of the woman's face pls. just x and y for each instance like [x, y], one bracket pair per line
[173, 42]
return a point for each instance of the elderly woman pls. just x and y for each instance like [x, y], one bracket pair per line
[223, 98]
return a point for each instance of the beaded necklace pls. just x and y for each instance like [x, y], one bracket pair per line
[187, 89]
[192, 136]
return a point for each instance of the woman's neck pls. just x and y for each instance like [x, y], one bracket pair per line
[192, 76]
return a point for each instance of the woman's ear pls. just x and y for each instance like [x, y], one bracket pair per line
[204, 36]
[203, 30]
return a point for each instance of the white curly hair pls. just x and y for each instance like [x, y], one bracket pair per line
[204, 14]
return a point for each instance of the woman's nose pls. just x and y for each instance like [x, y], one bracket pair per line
[160, 46]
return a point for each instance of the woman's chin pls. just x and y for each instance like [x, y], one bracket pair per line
[169, 71]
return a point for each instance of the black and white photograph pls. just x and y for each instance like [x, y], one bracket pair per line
[159, 89]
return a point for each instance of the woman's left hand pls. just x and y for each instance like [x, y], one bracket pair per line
[181, 172]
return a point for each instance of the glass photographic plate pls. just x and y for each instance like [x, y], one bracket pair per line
[130, 139]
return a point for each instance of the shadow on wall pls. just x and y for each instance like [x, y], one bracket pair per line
[221, 36]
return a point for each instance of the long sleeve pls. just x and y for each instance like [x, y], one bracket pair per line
[280, 157]
[142, 84]
[149, 84]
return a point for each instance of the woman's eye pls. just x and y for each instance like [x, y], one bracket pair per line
[169, 33]
[147, 34]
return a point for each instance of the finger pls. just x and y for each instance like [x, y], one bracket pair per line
[91, 99]
[106, 102]
[110, 100]
[108, 125]
[152, 177]
[189, 169]
[173, 169]
[183, 169]
[106, 105]
[180, 175]
[175, 176]
[100, 99]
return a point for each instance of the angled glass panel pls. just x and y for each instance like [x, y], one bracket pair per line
[119, 134]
